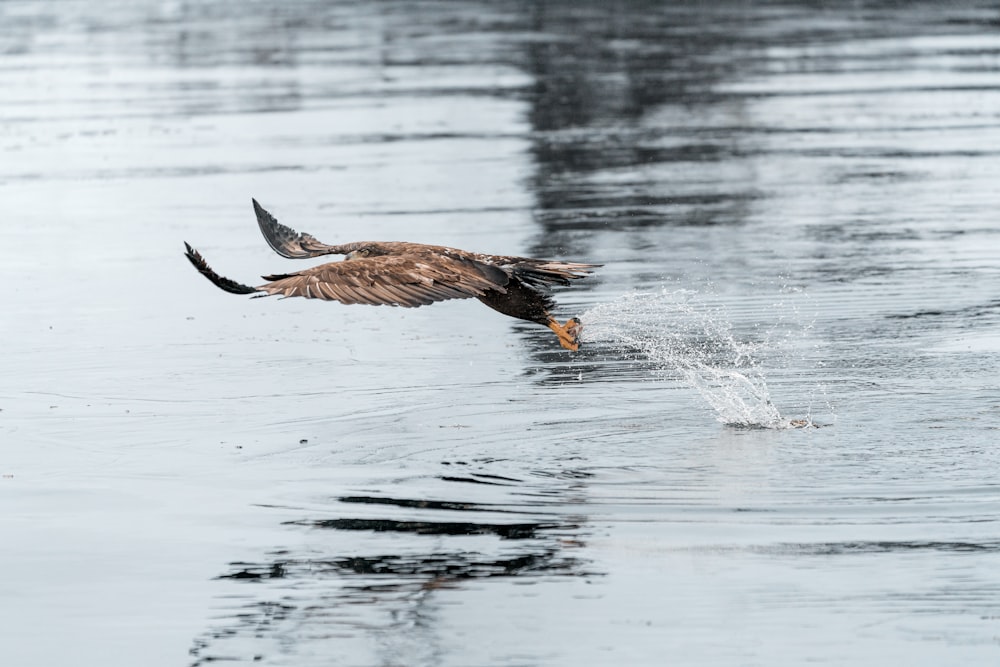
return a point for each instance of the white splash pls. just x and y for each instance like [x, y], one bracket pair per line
[678, 332]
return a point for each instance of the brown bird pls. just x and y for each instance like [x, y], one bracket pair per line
[411, 275]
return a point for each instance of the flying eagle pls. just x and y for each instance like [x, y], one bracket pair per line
[411, 275]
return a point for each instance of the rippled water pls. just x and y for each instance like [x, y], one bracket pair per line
[795, 206]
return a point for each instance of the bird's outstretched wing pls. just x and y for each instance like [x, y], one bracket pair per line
[394, 280]
[289, 243]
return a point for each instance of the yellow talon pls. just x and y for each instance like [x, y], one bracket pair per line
[569, 333]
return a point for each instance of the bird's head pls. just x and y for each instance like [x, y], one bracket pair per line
[364, 251]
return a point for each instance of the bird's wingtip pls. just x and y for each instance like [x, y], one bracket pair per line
[263, 215]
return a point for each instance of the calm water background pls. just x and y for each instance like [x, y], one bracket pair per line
[191, 477]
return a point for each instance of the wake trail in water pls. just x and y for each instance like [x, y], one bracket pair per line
[677, 331]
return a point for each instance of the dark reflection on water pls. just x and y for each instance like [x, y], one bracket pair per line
[976, 311]
[599, 71]
[507, 531]
[837, 549]
[390, 592]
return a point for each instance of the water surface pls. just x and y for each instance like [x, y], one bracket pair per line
[795, 206]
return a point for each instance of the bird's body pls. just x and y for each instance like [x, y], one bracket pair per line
[411, 275]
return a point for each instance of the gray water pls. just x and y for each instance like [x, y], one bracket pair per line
[796, 209]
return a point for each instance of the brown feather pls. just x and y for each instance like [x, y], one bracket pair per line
[417, 276]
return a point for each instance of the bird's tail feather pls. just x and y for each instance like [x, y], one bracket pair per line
[542, 272]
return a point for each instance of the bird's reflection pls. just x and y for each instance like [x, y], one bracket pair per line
[388, 598]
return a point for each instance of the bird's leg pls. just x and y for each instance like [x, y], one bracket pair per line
[569, 333]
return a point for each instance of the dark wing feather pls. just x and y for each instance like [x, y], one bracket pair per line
[394, 280]
[223, 283]
[289, 243]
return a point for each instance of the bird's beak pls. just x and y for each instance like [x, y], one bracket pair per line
[351, 255]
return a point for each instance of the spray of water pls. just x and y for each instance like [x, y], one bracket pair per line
[678, 332]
